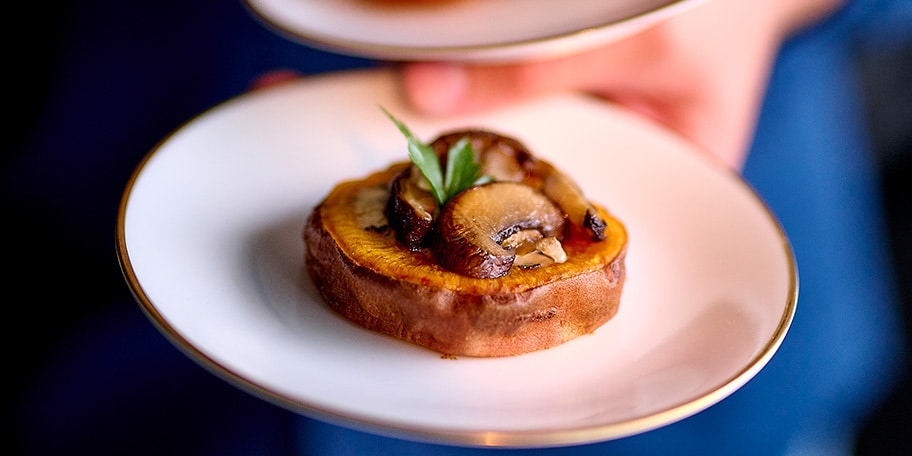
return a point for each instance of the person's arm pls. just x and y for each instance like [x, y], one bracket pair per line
[702, 73]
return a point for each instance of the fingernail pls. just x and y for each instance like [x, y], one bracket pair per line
[435, 88]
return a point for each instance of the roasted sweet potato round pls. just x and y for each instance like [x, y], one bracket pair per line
[366, 275]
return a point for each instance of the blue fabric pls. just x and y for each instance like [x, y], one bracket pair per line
[129, 73]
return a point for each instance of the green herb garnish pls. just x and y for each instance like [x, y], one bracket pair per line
[462, 171]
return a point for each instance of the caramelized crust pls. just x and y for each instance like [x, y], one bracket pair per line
[364, 274]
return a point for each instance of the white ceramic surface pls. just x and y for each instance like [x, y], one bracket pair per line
[493, 30]
[209, 238]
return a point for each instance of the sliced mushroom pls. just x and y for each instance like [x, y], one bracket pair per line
[473, 227]
[541, 253]
[411, 206]
[520, 239]
[506, 159]
[567, 194]
[410, 209]
[501, 157]
[369, 207]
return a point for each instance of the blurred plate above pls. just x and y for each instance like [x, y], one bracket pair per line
[467, 30]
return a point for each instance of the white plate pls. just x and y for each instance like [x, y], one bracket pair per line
[209, 238]
[461, 29]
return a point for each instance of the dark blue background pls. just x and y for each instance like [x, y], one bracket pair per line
[94, 85]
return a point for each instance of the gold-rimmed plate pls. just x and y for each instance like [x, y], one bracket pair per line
[209, 239]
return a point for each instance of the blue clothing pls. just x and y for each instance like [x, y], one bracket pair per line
[125, 76]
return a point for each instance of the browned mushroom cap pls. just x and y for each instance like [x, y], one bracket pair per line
[506, 159]
[411, 206]
[501, 157]
[473, 225]
[410, 209]
[564, 191]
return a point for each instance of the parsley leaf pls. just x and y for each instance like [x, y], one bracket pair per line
[462, 171]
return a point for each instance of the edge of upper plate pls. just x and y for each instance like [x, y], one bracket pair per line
[550, 45]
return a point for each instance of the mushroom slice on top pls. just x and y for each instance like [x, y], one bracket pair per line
[473, 227]
[540, 253]
[567, 194]
[506, 159]
[501, 157]
[410, 209]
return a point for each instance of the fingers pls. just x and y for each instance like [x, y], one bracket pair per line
[444, 88]
[436, 88]
[701, 74]
[272, 78]
[449, 88]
